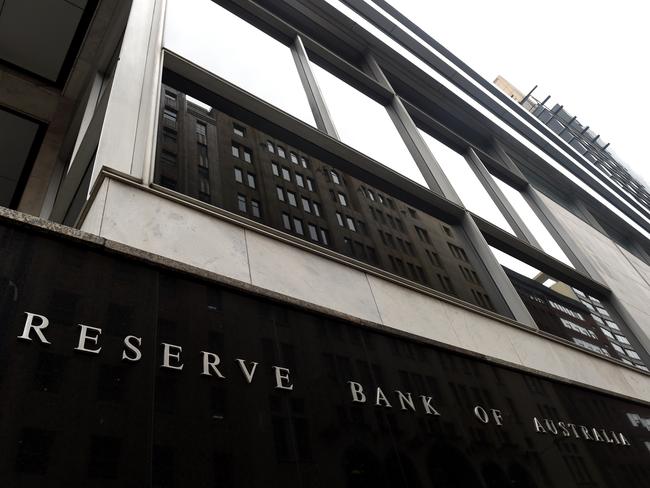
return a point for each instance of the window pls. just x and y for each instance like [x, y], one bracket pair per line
[234, 150]
[597, 319]
[241, 202]
[238, 130]
[251, 180]
[618, 348]
[316, 207]
[335, 177]
[203, 155]
[310, 184]
[169, 118]
[169, 136]
[339, 219]
[293, 158]
[204, 186]
[422, 234]
[433, 258]
[632, 354]
[170, 98]
[343, 200]
[239, 176]
[168, 157]
[607, 333]
[275, 169]
[280, 192]
[248, 157]
[297, 224]
[219, 51]
[371, 195]
[285, 174]
[281, 152]
[602, 311]
[324, 236]
[313, 233]
[458, 252]
[305, 205]
[291, 197]
[304, 162]
[351, 225]
[612, 325]
[299, 181]
[270, 147]
[622, 339]
[255, 208]
[286, 221]
[201, 130]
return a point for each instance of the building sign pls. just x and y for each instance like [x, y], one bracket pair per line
[117, 373]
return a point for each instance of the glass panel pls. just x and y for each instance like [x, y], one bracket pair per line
[569, 313]
[467, 185]
[219, 41]
[532, 221]
[365, 125]
[369, 224]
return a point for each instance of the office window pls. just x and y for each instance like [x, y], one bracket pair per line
[310, 184]
[335, 177]
[286, 221]
[270, 147]
[255, 208]
[293, 158]
[343, 200]
[597, 319]
[169, 118]
[234, 150]
[190, 31]
[291, 197]
[285, 174]
[371, 195]
[280, 192]
[422, 234]
[238, 130]
[169, 136]
[339, 219]
[251, 180]
[204, 186]
[201, 129]
[297, 224]
[305, 205]
[612, 325]
[351, 225]
[622, 339]
[632, 354]
[248, 156]
[618, 348]
[170, 98]
[365, 125]
[241, 202]
[602, 311]
[203, 155]
[324, 236]
[313, 233]
[281, 152]
[168, 157]
[275, 169]
[607, 333]
[239, 176]
[316, 207]
[304, 162]
[299, 181]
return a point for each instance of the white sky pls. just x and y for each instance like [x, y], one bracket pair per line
[591, 56]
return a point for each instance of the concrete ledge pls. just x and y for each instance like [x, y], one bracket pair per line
[141, 224]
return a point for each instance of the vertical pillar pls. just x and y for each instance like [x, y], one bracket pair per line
[127, 132]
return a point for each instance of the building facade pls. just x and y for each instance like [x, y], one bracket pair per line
[251, 243]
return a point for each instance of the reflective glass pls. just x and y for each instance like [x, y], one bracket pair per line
[219, 41]
[365, 125]
[471, 191]
[534, 224]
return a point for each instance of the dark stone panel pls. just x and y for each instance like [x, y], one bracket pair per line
[74, 418]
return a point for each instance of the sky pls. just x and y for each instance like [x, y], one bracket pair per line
[590, 56]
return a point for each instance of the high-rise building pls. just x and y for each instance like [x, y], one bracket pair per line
[300, 243]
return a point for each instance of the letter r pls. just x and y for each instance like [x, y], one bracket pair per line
[38, 328]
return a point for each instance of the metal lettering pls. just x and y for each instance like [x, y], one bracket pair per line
[83, 337]
[133, 348]
[210, 363]
[247, 374]
[38, 328]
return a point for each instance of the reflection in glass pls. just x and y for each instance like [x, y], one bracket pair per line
[467, 185]
[219, 41]
[365, 125]
[534, 224]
